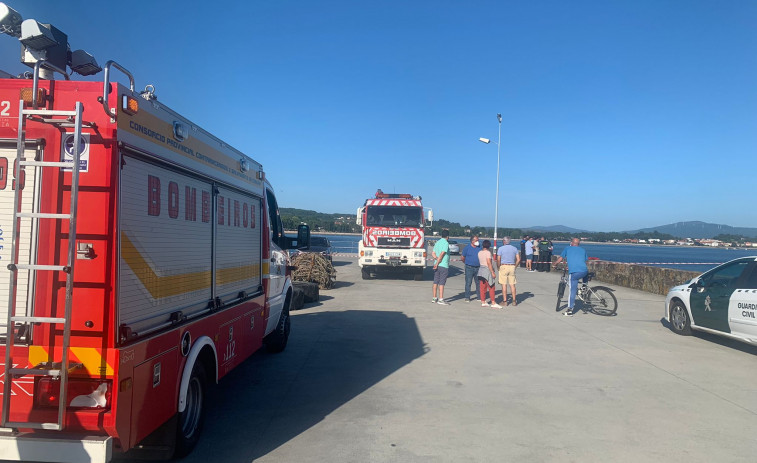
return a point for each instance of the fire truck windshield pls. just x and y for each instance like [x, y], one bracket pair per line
[394, 216]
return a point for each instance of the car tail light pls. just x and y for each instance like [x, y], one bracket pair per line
[82, 393]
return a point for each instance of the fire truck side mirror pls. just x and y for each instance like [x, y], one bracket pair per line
[303, 236]
[430, 217]
[359, 220]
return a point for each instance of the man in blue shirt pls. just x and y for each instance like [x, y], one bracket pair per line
[469, 257]
[576, 258]
[508, 259]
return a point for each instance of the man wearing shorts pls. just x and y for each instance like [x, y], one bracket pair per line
[529, 254]
[508, 258]
[440, 255]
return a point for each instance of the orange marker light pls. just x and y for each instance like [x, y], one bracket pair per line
[129, 105]
[27, 96]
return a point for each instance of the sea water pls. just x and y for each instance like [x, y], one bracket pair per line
[695, 258]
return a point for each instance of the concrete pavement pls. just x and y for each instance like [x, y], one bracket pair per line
[375, 372]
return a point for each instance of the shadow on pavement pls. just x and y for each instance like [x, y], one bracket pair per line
[340, 263]
[332, 357]
[341, 284]
[723, 341]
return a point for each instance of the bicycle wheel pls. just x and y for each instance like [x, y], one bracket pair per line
[602, 301]
[560, 292]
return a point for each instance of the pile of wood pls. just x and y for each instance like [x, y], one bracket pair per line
[313, 267]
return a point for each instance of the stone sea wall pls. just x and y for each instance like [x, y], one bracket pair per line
[650, 279]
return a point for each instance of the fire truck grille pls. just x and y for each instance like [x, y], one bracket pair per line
[393, 241]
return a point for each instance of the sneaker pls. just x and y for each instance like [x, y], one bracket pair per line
[568, 313]
[496, 306]
[484, 304]
[433, 301]
[467, 300]
[442, 302]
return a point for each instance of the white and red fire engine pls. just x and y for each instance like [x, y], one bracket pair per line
[143, 260]
[393, 236]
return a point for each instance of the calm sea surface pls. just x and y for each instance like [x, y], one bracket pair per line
[697, 259]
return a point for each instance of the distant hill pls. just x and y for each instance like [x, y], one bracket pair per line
[698, 229]
[555, 228]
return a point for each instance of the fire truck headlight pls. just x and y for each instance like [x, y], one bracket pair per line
[417, 253]
[369, 253]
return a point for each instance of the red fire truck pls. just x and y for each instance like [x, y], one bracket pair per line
[143, 260]
[393, 236]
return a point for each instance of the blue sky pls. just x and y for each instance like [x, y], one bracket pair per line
[615, 115]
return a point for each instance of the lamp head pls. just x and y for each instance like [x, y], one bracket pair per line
[499, 118]
[484, 140]
[83, 63]
[10, 21]
[37, 36]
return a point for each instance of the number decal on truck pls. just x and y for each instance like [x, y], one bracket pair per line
[5, 108]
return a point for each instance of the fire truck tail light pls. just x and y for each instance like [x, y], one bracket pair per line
[129, 105]
[82, 393]
[27, 94]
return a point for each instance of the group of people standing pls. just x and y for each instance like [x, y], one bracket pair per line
[480, 262]
[480, 265]
[536, 253]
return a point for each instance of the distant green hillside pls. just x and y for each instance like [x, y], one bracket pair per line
[318, 221]
[345, 223]
[696, 230]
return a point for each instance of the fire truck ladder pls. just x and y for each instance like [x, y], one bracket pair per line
[49, 369]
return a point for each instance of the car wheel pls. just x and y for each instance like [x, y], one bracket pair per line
[680, 322]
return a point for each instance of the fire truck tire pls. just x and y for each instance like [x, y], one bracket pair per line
[418, 275]
[276, 341]
[190, 421]
[365, 273]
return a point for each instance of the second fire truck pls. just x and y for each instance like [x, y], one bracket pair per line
[393, 234]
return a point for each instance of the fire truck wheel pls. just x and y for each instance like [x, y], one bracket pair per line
[366, 274]
[418, 275]
[190, 420]
[276, 341]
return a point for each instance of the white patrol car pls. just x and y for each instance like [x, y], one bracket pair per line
[721, 301]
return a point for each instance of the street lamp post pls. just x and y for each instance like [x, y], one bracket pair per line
[496, 197]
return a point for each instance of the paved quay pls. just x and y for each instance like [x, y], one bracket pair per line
[375, 372]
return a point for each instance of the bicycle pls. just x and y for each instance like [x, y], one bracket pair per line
[599, 299]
